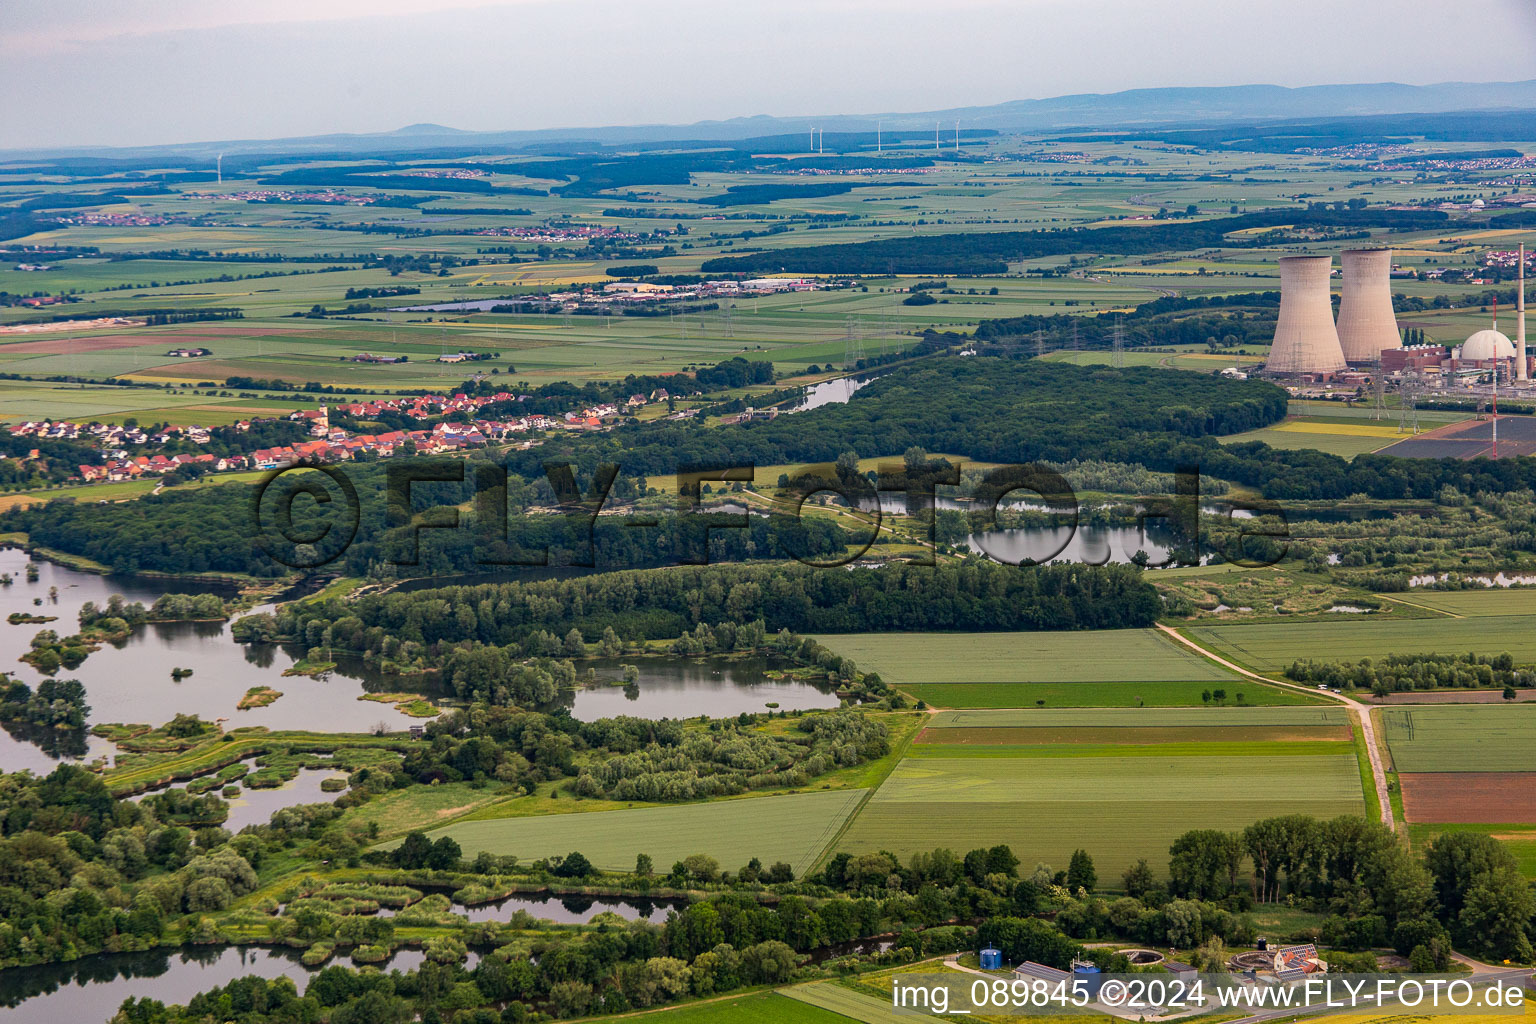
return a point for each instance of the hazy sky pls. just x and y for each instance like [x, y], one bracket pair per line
[135, 72]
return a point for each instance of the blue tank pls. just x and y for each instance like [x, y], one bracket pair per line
[991, 959]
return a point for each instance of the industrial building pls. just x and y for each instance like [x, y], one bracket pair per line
[1306, 340]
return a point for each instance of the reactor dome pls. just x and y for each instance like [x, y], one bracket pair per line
[1485, 345]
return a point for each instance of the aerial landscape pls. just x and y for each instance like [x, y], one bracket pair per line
[524, 510]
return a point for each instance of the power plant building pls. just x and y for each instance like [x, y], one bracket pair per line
[1367, 325]
[1306, 340]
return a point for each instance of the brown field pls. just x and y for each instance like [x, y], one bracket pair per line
[1469, 797]
[1450, 697]
[103, 343]
[1034, 735]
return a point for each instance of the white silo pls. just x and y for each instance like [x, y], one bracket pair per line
[1367, 325]
[1306, 340]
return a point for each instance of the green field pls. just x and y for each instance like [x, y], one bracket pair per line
[1343, 445]
[1476, 738]
[1332, 715]
[1117, 808]
[837, 1002]
[1270, 647]
[1478, 603]
[1084, 656]
[792, 828]
[1094, 695]
[788, 1007]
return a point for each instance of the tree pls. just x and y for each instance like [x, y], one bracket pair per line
[1496, 913]
[1081, 873]
[1456, 860]
[1138, 879]
[1204, 863]
[1019, 938]
[445, 855]
[701, 867]
[574, 865]
[643, 865]
[413, 851]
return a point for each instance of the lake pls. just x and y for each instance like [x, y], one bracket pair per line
[132, 682]
[89, 990]
[688, 687]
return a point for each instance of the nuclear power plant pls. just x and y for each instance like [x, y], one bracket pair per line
[1306, 341]
[1364, 347]
[1367, 324]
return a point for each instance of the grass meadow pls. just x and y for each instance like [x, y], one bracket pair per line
[793, 828]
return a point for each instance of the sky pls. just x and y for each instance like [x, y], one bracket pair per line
[148, 72]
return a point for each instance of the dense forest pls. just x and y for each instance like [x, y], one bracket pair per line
[663, 604]
[990, 252]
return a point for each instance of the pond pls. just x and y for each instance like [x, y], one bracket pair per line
[89, 990]
[688, 687]
[829, 392]
[132, 682]
[1094, 545]
[256, 806]
[572, 908]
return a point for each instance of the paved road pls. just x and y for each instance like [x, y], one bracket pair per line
[1361, 711]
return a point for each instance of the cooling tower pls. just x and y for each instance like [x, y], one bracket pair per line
[1305, 339]
[1367, 325]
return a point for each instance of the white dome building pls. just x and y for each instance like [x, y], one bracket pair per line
[1486, 345]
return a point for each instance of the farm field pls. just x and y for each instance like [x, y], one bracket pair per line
[786, 1007]
[1120, 718]
[1117, 808]
[841, 1003]
[1480, 738]
[1084, 656]
[1466, 766]
[1091, 695]
[1493, 601]
[1120, 783]
[793, 828]
[1343, 439]
[1270, 647]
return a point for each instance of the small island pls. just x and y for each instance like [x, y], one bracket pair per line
[257, 697]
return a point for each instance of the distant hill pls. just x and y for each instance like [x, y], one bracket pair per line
[1132, 109]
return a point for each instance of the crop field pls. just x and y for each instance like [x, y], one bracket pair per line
[1343, 439]
[842, 1004]
[1440, 797]
[1148, 718]
[1479, 603]
[1270, 647]
[1139, 735]
[1480, 738]
[788, 1007]
[1092, 695]
[793, 828]
[1117, 808]
[1084, 656]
